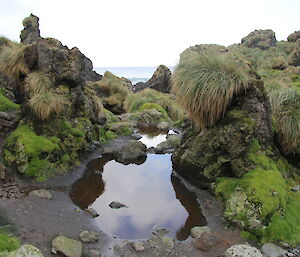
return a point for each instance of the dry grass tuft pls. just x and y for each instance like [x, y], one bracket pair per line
[285, 103]
[12, 62]
[206, 82]
[46, 103]
[37, 83]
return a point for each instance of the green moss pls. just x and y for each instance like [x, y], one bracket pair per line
[41, 169]
[8, 244]
[284, 226]
[33, 144]
[262, 195]
[65, 158]
[248, 236]
[110, 117]
[147, 106]
[243, 118]
[77, 131]
[105, 135]
[8, 156]
[7, 105]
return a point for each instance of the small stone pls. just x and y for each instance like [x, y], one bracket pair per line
[168, 242]
[209, 241]
[197, 232]
[136, 136]
[296, 188]
[271, 250]
[93, 213]
[138, 246]
[289, 254]
[95, 253]
[24, 251]
[42, 193]
[68, 247]
[242, 250]
[117, 205]
[89, 236]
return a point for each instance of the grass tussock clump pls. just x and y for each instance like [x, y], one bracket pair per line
[206, 82]
[285, 103]
[12, 61]
[135, 101]
[37, 82]
[44, 104]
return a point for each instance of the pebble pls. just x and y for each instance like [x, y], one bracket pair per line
[138, 246]
[88, 236]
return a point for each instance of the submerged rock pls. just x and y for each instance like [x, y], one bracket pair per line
[271, 250]
[93, 213]
[89, 236]
[117, 205]
[197, 232]
[66, 246]
[42, 193]
[243, 250]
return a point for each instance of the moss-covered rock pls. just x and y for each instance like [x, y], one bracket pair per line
[262, 39]
[261, 201]
[222, 150]
[7, 105]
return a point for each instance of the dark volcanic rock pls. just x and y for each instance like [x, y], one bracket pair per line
[294, 36]
[31, 32]
[262, 39]
[222, 150]
[160, 81]
[8, 121]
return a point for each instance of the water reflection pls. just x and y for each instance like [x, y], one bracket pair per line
[146, 189]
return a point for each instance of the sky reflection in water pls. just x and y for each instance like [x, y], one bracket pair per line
[149, 191]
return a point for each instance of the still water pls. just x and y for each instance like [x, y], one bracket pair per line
[155, 198]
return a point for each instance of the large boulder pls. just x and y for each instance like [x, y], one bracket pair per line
[222, 150]
[294, 36]
[262, 39]
[68, 247]
[160, 81]
[31, 32]
[24, 251]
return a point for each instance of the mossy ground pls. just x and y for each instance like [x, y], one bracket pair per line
[7, 240]
[268, 198]
[7, 105]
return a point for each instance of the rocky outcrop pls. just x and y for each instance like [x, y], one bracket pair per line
[160, 81]
[31, 32]
[262, 39]
[294, 36]
[294, 56]
[222, 150]
[8, 121]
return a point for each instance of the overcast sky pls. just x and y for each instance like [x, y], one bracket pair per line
[148, 33]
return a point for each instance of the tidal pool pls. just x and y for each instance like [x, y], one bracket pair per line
[156, 199]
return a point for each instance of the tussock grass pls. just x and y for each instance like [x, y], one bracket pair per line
[167, 101]
[44, 104]
[5, 42]
[12, 62]
[37, 83]
[206, 82]
[285, 103]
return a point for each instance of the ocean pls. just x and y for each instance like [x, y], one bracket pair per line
[134, 74]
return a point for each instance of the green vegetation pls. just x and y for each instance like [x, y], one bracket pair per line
[29, 151]
[114, 91]
[47, 103]
[7, 105]
[8, 244]
[261, 201]
[12, 62]
[204, 84]
[106, 135]
[285, 103]
[166, 101]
